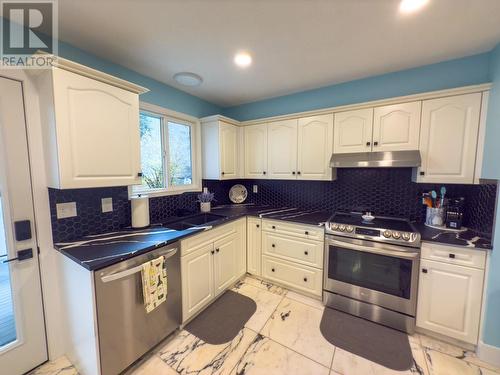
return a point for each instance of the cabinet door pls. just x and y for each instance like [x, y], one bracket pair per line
[254, 243]
[282, 149]
[396, 127]
[353, 131]
[315, 145]
[256, 151]
[225, 263]
[97, 132]
[449, 300]
[228, 151]
[197, 280]
[448, 139]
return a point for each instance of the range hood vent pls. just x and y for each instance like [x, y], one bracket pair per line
[387, 159]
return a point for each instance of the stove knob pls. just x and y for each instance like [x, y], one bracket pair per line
[342, 227]
[387, 233]
[406, 236]
[334, 226]
[349, 228]
[396, 235]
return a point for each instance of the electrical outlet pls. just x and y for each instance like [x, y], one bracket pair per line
[255, 189]
[107, 204]
[65, 210]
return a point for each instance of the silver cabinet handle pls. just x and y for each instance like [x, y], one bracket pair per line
[131, 271]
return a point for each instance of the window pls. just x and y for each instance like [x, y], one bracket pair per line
[168, 152]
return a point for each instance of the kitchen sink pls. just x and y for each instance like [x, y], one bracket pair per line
[193, 221]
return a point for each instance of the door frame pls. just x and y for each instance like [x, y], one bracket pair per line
[47, 258]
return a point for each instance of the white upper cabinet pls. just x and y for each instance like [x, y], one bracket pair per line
[315, 145]
[396, 127]
[282, 149]
[353, 131]
[91, 130]
[221, 148]
[256, 151]
[448, 139]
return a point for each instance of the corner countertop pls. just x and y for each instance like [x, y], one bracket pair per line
[98, 251]
[468, 238]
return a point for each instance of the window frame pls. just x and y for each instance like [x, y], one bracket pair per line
[167, 115]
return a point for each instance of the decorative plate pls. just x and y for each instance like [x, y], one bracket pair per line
[238, 193]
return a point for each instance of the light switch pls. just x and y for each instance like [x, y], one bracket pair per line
[65, 210]
[107, 204]
[255, 189]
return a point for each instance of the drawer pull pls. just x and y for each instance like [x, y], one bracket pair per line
[452, 256]
[424, 270]
[273, 227]
[217, 250]
[273, 245]
[305, 279]
[258, 226]
[213, 252]
[272, 269]
[306, 232]
[306, 252]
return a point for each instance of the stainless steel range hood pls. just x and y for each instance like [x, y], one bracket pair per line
[387, 159]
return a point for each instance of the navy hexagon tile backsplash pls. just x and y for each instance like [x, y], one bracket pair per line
[384, 191]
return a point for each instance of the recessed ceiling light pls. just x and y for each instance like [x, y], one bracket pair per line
[243, 59]
[410, 6]
[188, 79]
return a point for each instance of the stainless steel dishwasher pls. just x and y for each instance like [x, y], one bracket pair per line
[125, 330]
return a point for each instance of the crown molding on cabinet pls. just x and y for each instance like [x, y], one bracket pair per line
[221, 118]
[71, 66]
[374, 103]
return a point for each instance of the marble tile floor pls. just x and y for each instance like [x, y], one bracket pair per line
[283, 338]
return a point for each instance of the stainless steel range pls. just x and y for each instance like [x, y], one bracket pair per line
[371, 268]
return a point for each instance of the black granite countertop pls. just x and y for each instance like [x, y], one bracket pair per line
[468, 238]
[99, 251]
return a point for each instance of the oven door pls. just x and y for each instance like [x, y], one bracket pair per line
[381, 274]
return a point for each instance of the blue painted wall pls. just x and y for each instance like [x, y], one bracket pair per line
[454, 73]
[491, 169]
[159, 94]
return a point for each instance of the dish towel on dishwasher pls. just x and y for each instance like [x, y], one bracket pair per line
[154, 283]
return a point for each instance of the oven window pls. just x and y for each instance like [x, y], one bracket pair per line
[372, 271]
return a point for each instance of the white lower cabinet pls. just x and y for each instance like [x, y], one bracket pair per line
[254, 245]
[449, 297]
[211, 266]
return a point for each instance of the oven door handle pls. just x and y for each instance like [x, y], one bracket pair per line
[131, 271]
[395, 253]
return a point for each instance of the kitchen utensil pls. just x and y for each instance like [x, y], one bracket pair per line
[238, 193]
[434, 196]
[443, 193]
[428, 202]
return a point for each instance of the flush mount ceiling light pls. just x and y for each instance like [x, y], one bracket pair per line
[243, 59]
[188, 79]
[410, 6]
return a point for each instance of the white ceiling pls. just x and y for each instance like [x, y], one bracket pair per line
[295, 44]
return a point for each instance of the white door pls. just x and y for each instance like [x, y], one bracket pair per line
[97, 132]
[396, 127]
[22, 330]
[228, 150]
[448, 139]
[256, 151]
[315, 145]
[353, 131]
[225, 262]
[282, 149]
[254, 239]
[449, 300]
[197, 280]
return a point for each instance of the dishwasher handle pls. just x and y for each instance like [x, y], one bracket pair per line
[131, 271]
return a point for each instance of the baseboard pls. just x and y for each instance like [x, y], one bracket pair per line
[488, 353]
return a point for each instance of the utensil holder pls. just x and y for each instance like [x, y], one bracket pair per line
[205, 206]
[434, 216]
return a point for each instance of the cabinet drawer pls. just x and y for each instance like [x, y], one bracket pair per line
[294, 249]
[192, 243]
[454, 255]
[298, 230]
[300, 277]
